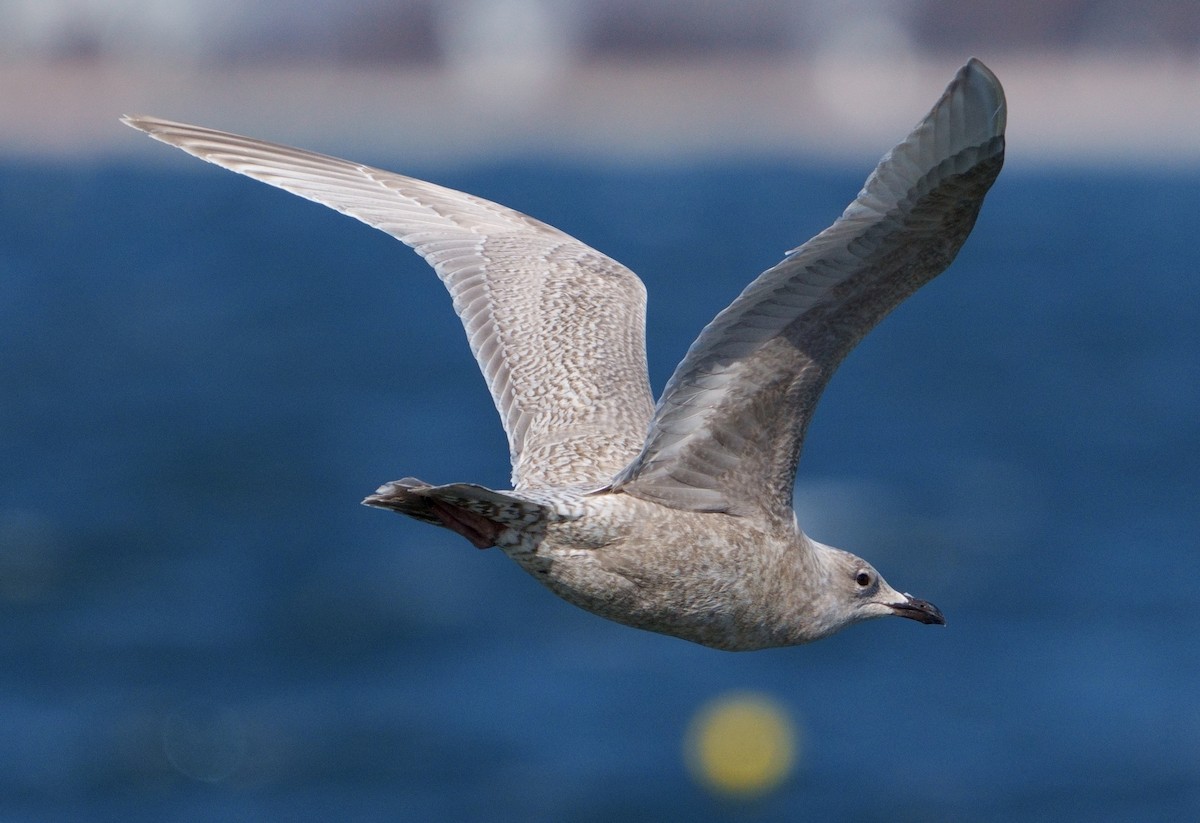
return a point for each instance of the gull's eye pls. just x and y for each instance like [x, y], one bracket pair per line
[863, 579]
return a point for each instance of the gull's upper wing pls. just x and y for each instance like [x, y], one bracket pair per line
[558, 328]
[727, 432]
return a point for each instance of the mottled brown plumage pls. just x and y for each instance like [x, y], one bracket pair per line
[675, 518]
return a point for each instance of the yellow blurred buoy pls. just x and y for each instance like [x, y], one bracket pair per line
[741, 744]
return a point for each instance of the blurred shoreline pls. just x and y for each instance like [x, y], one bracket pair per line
[1126, 110]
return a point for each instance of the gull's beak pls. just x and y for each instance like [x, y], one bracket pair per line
[920, 610]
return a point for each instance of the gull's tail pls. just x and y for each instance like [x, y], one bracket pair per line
[477, 513]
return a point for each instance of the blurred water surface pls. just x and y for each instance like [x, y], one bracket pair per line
[200, 377]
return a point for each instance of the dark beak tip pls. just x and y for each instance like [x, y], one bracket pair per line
[921, 610]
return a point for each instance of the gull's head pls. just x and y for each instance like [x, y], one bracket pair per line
[854, 591]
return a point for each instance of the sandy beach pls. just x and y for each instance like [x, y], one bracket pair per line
[1127, 110]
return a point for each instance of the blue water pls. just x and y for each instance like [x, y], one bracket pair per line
[201, 377]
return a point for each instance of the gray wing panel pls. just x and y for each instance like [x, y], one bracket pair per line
[727, 433]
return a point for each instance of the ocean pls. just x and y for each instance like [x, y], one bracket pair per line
[200, 377]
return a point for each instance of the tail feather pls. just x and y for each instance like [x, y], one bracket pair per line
[476, 512]
[405, 496]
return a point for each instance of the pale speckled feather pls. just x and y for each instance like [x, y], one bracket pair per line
[558, 328]
[727, 432]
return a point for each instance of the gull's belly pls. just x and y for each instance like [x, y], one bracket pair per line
[684, 574]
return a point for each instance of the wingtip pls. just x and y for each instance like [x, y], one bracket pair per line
[975, 64]
[981, 82]
[150, 124]
[141, 122]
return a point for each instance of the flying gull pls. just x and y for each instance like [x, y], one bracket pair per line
[675, 517]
